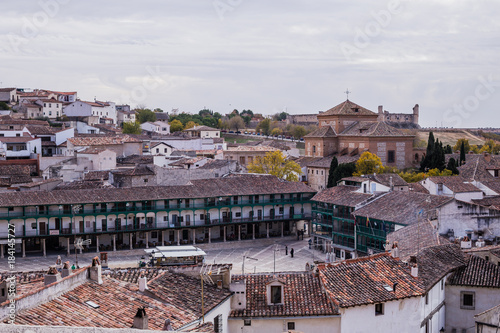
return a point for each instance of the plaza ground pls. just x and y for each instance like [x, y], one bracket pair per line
[270, 255]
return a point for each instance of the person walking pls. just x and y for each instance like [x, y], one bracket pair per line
[286, 250]
[291, 252]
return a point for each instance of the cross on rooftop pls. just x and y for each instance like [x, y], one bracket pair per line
[347, 92]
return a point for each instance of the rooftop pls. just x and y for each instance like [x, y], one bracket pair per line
[348, 108]
[322, 132]
[341, 195]
[457, 184]
[476, 273]
[102, 140]
[362, 281]
[302, 292]
[373, 128]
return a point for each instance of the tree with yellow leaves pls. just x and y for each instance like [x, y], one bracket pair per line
[274, 163]
[368, 163]
[190, 124]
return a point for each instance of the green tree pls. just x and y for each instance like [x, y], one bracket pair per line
[132, 128]
[459, 143]
[274, 163]
[448, 149]
[462, 153]
[247, 113]
[298, 131]
[145, 115]
[426, 161]
[333, 165]
[342, 171]
[205, 113]
[276, 131]
[368, 163]
[190, 124]
[264, 126]
[176, 126]
[4, 106]
[437, 160]
[452, 166]
[236, 123]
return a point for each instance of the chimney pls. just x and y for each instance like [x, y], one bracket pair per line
[96, 271]
[394, 287]
[395, 250]
[140, 319]
[66, 270]
[167, 326]
[239, 299]
[415, 114]
[52, 276]
[143, 283]
[487, 157]
[414, 270]
[380, 109]
[391, 184]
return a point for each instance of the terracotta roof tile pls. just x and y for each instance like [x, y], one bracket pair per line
[341, 195]
[348, 108]
[476, 273]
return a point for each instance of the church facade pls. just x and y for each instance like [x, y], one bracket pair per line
[350, 129]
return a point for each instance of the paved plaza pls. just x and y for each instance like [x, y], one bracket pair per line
[270, 255]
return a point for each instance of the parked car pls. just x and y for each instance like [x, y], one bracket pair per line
[231, 131]
[301, 139]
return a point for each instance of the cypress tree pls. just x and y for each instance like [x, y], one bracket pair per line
[333, 165]
[425, 164]
[452, 166]
[462, 154]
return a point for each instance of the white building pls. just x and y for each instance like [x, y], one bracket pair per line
[8, 95]
[100, 158]
[452, 186]
[19, 147]
[158, 127]
[203, 132]
[161, 148]
[125, 115]
[97, 112]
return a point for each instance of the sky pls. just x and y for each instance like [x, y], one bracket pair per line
[296, 56]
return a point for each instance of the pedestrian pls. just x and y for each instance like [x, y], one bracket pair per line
[286, 250]
[291, 252]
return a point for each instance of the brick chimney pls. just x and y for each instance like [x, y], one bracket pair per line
[167, 326]
[52, 276]
[140, 319]
[487, 157]
[143, 283]
[96, 271]
[395, 250]
[239, 299]
[66, 270]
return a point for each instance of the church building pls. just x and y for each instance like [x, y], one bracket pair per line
[350, 129]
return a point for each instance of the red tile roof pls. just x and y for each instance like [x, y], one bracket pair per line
[341, 195]
[361, 281]
[347, 108]
[303, 296]
[477, 273]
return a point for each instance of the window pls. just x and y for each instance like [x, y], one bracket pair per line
[282, 210]
[218, 324]
[291, 325]
[165, 150]
[202, 216]
[314, 149]
[379, 309]
[145, 180]
[238, 214]
[157, 150]
[247, 322]
[467, 301]
[391, 156]
[426, 298]
[442, 284]
[276, 294]
[50, 105]
[322, 172]
[165, 218]
[33, 225]
[50, 113]
[487, 258]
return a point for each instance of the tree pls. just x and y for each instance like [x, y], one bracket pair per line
[144, 115]
[276, 131]
[462, 153]
[205, 113]
[236, 123]
[190, 124]
[4, 106]
[333, 165]
[437, 159]
[176, 126]
[452, 166]
[264, 126]
[247, 113]
[274, 163]
[298, 131]
[368, 163]
[448, 150]
[342, 171]
[460, 142]
[426, 161]
[132, 128]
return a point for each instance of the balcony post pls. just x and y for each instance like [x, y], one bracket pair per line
[194, 236]
[178, 237]
[224, 233]
[147, 239]
[267, 229]
[130, 241]
[114, 242]
[239, 232]
[97, 243]
[163, 237]
[44, 250]
[253, 230]
[1, 251]
[209, 235]
[67, 247]
[23, 248]
[282, 227]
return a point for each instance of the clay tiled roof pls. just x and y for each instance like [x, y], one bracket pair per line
[96, 175]
[325, 162]
[229, 186]
[418, 188]
[477, 273]
[82, 185]
[385, 179]
[348, 108]
[493, 185]
[341, 195]
[492, 202]
[373, 128]
[437, 261]
[476, 166]
[7, 120]
[322, 132]
[201, 128]
[102, 140]
[216, 164]
[252, 148]
[456, 184]
[118, 303]
[91, 150]
[132, 274]
[140, 170]
[302, 293]
[361, 281]
[184, 291]
[45, 130]
[7, 89]
[136, 159]
[401, 206]
[413, 238]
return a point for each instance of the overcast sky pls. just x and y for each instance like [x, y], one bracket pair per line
[268, 56]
